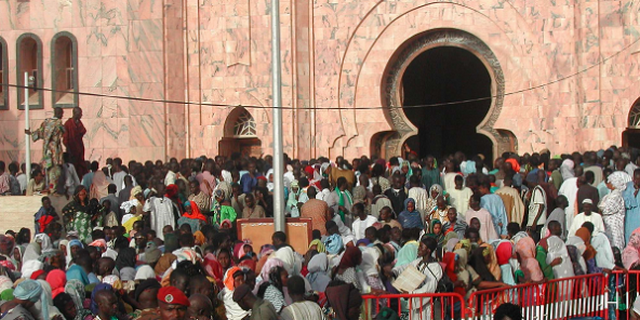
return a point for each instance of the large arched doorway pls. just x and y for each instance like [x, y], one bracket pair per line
[443, 76]
[240, 135]
[441, 66]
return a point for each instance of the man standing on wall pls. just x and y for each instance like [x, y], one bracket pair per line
[50, 132]
[73, 132]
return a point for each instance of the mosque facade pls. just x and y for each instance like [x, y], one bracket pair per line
[484, 76]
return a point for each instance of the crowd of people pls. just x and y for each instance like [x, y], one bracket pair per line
[158, 240]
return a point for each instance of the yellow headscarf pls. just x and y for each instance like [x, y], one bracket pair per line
[319, 246]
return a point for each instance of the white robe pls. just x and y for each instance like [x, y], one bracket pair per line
[161, 210]
[569, 189]
[595, 218]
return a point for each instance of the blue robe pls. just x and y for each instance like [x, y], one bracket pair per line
[493, 203]
[632, 206]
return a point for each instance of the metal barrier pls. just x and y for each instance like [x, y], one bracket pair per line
[582, 296]
[623, 292]
[446, 306]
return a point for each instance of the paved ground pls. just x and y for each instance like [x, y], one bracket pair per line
[17, 211]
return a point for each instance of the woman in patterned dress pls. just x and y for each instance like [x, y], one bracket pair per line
[613, 209]
[75, 215]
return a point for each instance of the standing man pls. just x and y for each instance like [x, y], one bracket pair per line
[51, 132]
[73, 132]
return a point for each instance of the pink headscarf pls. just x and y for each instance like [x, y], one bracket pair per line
[57, 279]
[529, 265]
[100, 243]
[213, 268]
[270, 264]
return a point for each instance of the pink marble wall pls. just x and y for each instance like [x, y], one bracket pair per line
[333, 56]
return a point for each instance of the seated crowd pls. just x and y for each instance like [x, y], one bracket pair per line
[158, 241]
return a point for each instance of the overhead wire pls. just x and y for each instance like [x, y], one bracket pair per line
[223, 105]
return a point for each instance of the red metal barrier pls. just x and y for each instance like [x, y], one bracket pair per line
[417, 306]
[556, 299]
[582, 296]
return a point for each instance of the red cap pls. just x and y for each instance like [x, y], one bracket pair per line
[172, 295]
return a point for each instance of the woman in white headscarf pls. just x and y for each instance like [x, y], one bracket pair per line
[613, 209]
[41, 244]
[557, 249]
[566, 169]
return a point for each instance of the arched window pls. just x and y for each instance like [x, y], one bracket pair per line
[634, 116]
[4, 75]
[29, 59]
[245, 126]
[64, 70]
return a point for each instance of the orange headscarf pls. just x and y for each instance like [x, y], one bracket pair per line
[514, 164]
[584, 234]
[228, 278]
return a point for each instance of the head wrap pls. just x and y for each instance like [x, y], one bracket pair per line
[619, 180]
[292, 264]
[351, 258]
[145, 272]
[135, 191]
[266, 249]
[213, 268]
[75, 288]
[76, 272]
[57, 280]
[199, 236]
[333, 244]
[127, 273]
[514, 164]
[195, 212]
[584, 234]
[270, 264]
[28, 290]
[504, 252]
[171, 191]
[151, 252]
[100, 243]
[566, 169]
[317, 265]
[33, 291]
[228, 278]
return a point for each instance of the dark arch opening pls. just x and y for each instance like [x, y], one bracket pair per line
[440, 75]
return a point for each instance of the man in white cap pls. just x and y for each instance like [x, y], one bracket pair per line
[587, 215]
